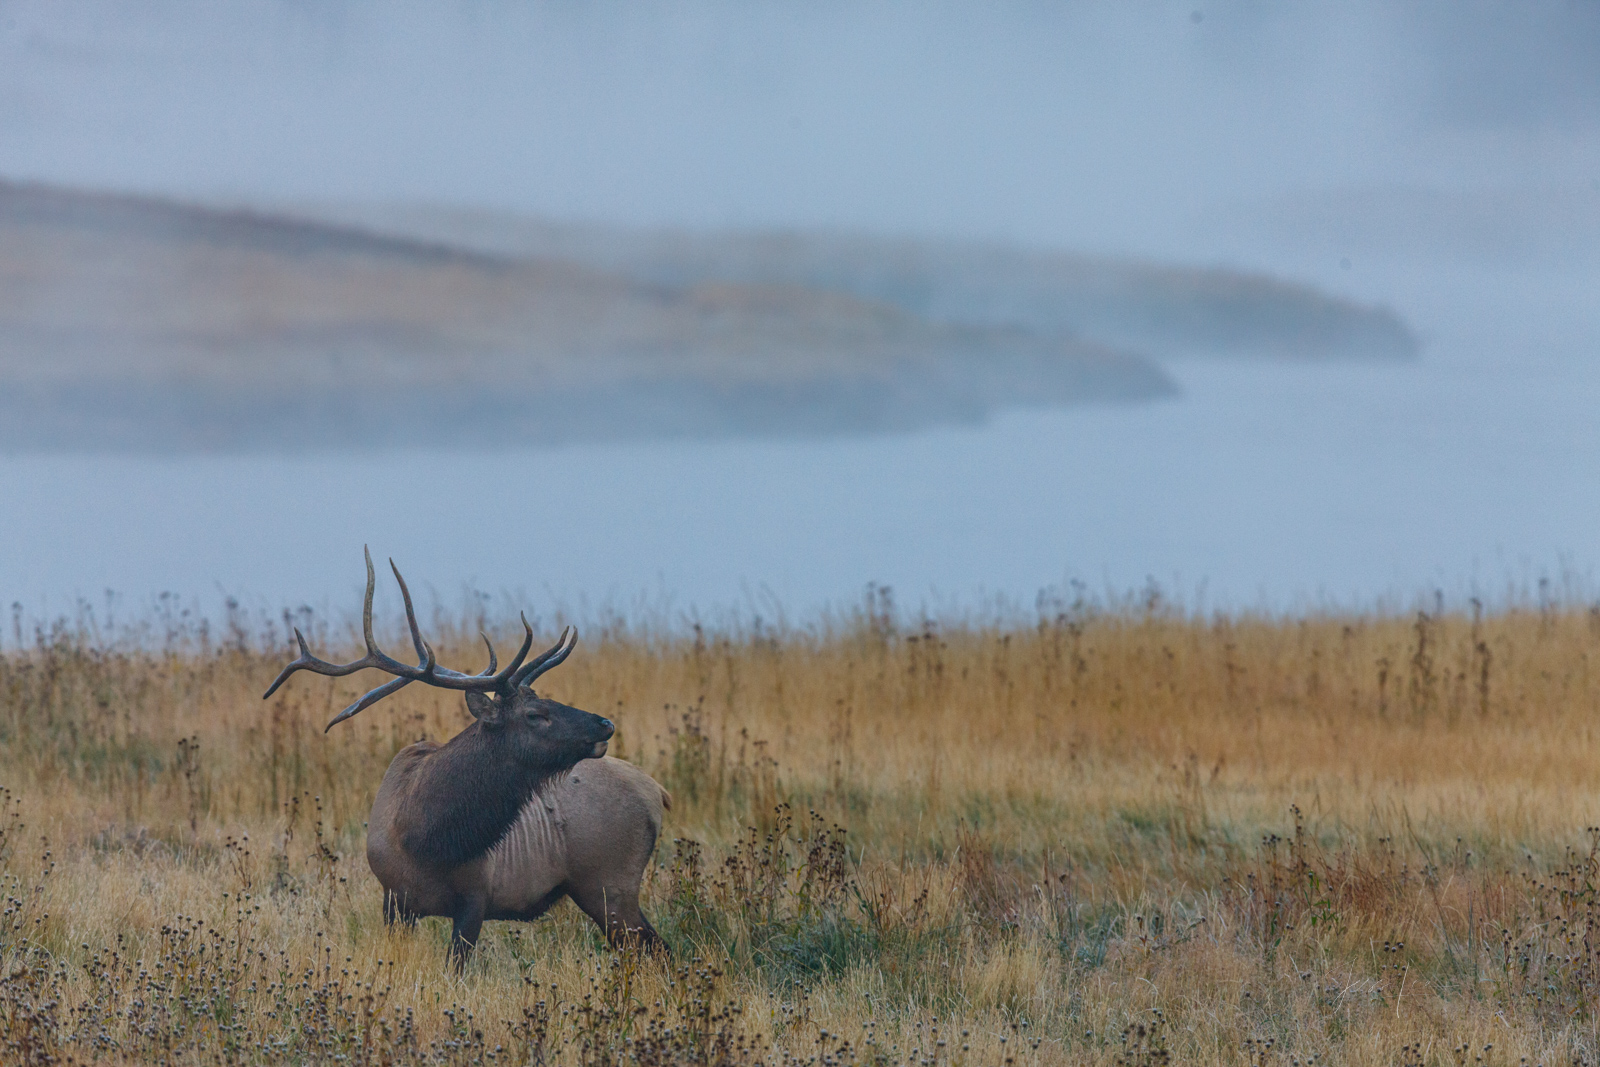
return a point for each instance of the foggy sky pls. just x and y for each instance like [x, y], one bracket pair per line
[1442, 159]
[1127, 127]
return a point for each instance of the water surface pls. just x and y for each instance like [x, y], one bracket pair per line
[1263, 486]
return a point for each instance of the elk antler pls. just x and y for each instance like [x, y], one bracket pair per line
[551, 658]
[427, 669]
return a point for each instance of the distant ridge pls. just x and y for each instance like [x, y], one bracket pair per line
[1166, 311]
[110, 215]
[129, 322]
[132, 322]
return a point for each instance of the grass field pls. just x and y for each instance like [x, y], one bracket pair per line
[1125, 836]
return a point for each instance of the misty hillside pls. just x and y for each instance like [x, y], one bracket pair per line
[128, 322]
[1167, 312]
[135, 323]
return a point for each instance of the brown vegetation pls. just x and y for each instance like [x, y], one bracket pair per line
[1117, 837]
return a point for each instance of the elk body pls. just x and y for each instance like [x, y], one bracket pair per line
[518, 810]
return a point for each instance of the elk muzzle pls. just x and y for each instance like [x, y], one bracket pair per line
[607, 729]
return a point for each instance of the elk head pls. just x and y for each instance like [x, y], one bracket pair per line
[537, 733]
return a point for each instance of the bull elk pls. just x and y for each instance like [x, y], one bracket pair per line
[518, 810]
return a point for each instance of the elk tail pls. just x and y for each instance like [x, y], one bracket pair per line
[666, 797]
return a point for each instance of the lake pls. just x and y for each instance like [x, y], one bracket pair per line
[1264, 486]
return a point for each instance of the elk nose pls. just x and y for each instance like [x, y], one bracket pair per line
[607, 728]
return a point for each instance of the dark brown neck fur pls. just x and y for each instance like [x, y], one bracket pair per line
[464, 797]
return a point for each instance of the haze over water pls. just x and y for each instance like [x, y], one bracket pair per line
[1443, 160]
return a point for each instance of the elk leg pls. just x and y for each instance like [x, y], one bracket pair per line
[394, 911]
[467, 921]
[619, 918]
[642, 934]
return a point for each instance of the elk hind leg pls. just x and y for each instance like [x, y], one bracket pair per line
[616, 912]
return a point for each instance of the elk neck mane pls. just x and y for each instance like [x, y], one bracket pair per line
[464, 797]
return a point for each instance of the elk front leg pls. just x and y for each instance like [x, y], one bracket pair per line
[394, 911]
[468, 921]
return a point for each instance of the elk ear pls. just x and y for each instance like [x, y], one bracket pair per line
[484, 707]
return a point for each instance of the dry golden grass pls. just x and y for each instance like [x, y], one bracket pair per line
[1118, 837]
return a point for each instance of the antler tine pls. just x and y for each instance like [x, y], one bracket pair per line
[488, 679]
[411, 614]
[307, 662]
[366, 604]
[552, 657]
[428, 670]
[522, 653]
[302, 660]
[372, 697]
[424, 670]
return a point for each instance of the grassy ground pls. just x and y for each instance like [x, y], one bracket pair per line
[1125, 837]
